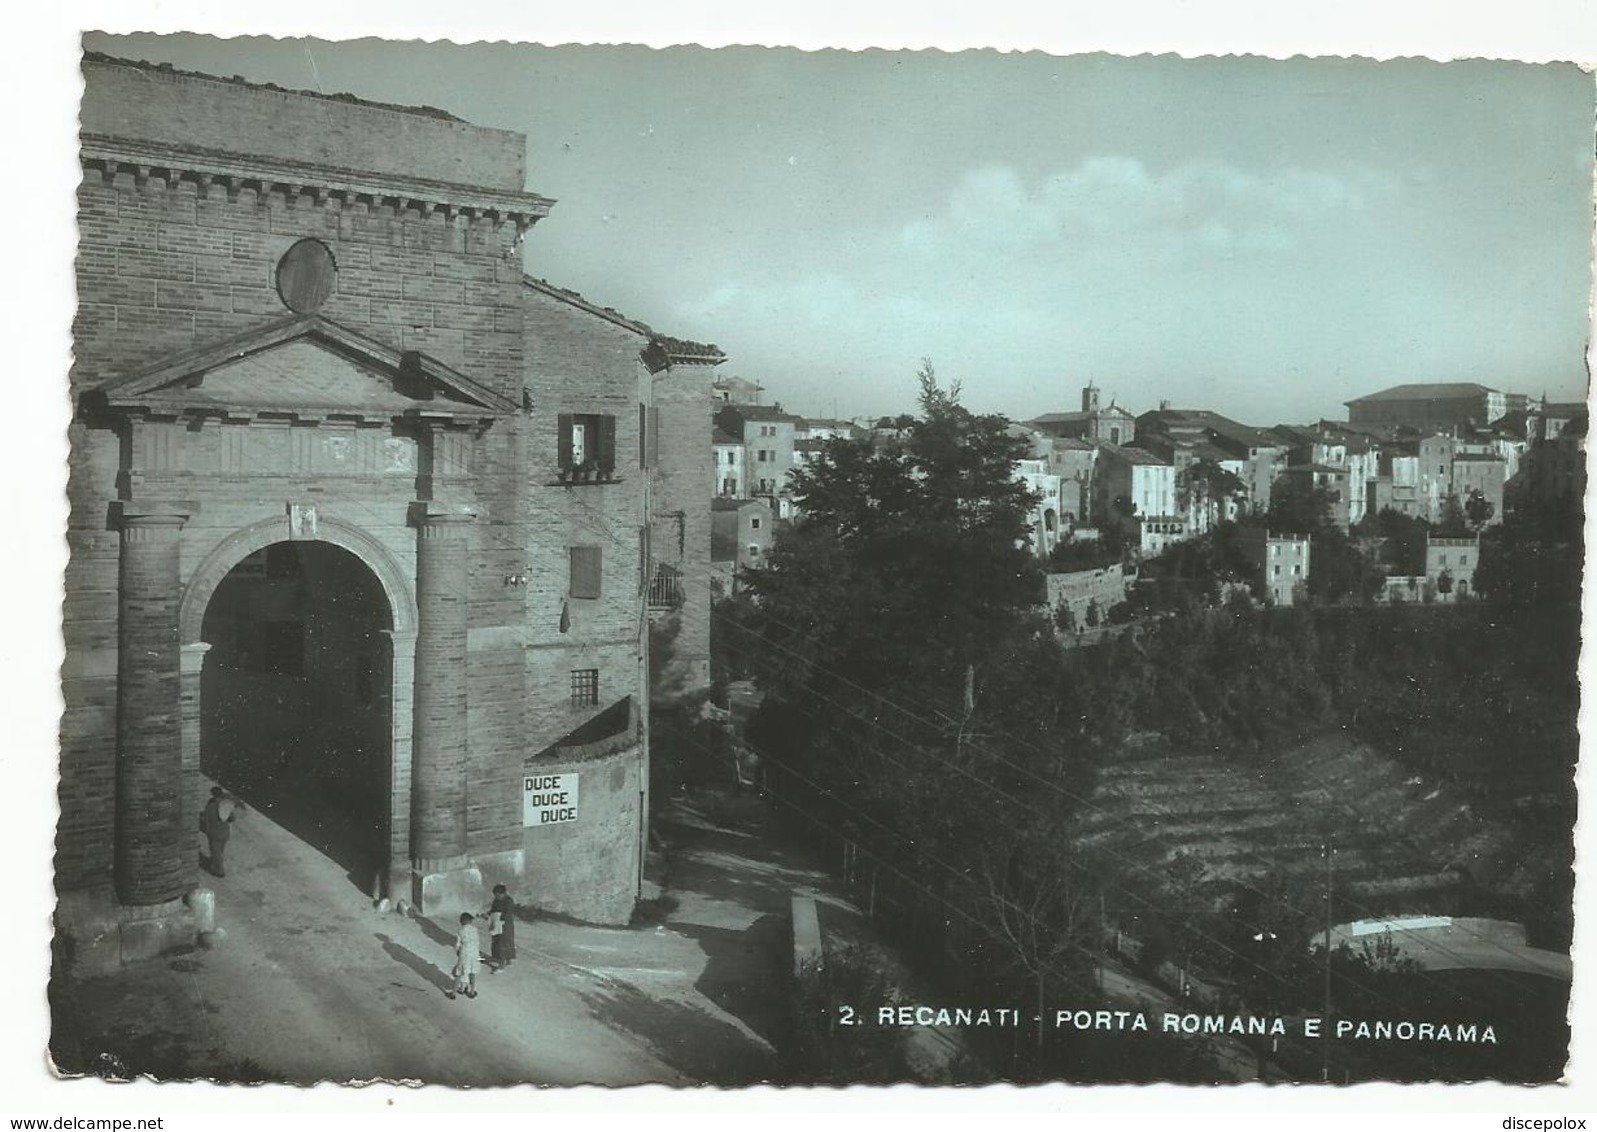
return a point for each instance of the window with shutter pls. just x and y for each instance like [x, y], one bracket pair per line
[586, 571]
[586, 447]
[565, 452]
[605, 455]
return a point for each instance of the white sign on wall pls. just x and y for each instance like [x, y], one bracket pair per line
[547, 799]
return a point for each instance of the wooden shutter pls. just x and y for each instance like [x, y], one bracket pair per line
[586, 568]
[643, 435]
[654, 436]
[607, 444]
[563, 441]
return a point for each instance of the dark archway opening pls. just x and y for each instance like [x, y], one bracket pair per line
[296, 714]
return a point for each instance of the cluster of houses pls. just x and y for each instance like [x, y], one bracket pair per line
[1455, 453]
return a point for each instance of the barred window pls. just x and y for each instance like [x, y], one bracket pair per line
[584, 687]
[665, 589]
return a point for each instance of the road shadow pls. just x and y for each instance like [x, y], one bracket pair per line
[429, 971]
[435, 933]
[698, 1045]
[746, 972]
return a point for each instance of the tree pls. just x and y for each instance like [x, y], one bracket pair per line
[889, 607]
[1401, 538]
[927, 536]
[912, 682]
[1298, 506]
[1454, 523]
[1478, 509]
[1337, 569]
[1073, 555]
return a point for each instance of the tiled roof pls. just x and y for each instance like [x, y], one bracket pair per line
[761, 413]
[1134, 455]
[1213, 452]
[721, 436]
[1237, 433]
[239, 80]
[1072, 418]
[1434, 391]
[678, 349]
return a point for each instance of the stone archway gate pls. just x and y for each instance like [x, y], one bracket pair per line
[303, 429]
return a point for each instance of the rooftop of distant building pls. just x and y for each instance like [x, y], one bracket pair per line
[1426, 391]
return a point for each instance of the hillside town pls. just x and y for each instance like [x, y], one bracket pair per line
[1122, 488]
[467, 682]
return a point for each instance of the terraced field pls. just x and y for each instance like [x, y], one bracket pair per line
[1403, 844]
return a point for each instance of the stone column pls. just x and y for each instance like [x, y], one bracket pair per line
[155, 849]
[438, 768]
[192, 666]
[401, 656]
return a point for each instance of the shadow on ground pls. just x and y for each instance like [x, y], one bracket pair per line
[429, 971]
[693, 1043]
[747, 975]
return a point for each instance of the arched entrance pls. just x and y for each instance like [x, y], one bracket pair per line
[295, 713]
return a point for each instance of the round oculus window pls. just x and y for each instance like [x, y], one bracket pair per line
[306, 276]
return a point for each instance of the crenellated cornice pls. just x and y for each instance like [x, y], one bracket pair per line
[296, 181]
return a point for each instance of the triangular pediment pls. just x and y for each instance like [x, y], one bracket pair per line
[305, 367]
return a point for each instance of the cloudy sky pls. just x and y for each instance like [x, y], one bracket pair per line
[1264, 238]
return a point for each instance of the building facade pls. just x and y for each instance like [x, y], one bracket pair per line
[1280, 564]
[1138, 490]
[768, 436]
[1094, 422]
[1437, 405]
[1450, 565]
[357, 512]
[1044, 519]
[741, 533]
[729, 476]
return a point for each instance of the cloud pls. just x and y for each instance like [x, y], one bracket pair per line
[1103, 202]
[1107, 266]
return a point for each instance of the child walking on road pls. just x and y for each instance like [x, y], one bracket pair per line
[468, 958]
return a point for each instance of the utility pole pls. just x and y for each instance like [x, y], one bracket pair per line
[1103, 940]
[1330, 880]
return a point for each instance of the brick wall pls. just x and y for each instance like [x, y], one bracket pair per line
[580, 362]
[588, 868]
[168, 264]
[680, 519]
[132, 101]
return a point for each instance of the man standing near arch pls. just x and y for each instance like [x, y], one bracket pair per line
[216, 822]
